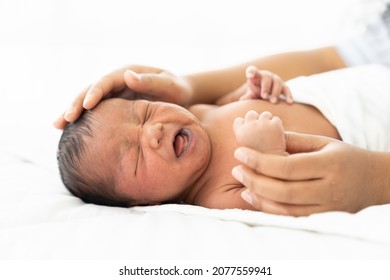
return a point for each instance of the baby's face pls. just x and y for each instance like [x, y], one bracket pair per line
[158, 150]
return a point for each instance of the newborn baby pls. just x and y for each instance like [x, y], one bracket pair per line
[138, 152]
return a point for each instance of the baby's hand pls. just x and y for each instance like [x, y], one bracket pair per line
[264, 132]
[263, 84]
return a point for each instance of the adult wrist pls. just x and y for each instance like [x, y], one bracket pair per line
[191, 85]
[380, 167]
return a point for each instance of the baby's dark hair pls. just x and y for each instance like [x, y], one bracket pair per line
[77, 167]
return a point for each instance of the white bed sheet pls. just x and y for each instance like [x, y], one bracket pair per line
[40, 219]
[56, 48]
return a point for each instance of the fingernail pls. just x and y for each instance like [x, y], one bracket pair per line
[241, 155]
[237, 174]
[246, 196]
[68, 113]
[87, 99]
[273, 99]
[264, 95]
[133, 75]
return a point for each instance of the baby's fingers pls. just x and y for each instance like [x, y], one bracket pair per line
[238, 122]
[288, 95]
[251, 72]
[259, 86]
[276, 90]
[266, 86]
[280, 89]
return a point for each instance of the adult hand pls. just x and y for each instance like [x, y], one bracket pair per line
[131, 82]
[320, 174]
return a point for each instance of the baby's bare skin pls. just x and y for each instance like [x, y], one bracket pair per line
[217, 188]
[262, 132]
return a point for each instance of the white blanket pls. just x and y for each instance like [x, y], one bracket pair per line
[355, 100]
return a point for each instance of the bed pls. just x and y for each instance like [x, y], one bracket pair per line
[39, 219]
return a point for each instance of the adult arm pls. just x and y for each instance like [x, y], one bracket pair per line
[206, 87]
[211, 85]
[320, 174]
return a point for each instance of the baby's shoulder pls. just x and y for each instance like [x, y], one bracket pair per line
[201, 110]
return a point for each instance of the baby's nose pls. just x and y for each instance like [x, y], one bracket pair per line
[153, 135]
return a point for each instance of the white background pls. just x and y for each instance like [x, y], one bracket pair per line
[50, 50]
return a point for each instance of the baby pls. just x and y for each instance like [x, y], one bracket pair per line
[137, 152]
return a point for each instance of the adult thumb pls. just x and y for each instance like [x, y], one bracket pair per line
[302, 143]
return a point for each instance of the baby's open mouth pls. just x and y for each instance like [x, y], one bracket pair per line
[181, 141]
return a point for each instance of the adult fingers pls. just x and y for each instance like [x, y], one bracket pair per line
[113, 82]
[110, 83]
[144, 69]
[76, 108]
[306, 192]
[159, 85]
[303, 166]
[302, 143]
[147, 82]
[60, 123]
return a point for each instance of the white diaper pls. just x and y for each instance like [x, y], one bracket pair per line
[355, 100]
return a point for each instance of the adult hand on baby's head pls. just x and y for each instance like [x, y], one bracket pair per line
[131, 82]
[320, 174]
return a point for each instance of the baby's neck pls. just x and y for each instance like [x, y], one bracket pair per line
[191, 192]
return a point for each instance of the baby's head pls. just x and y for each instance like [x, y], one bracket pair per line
[125, 153]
